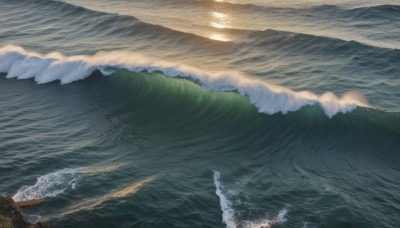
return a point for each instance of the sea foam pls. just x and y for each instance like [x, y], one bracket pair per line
[53, 184]
[49, 185]
[268, 98]
[228, 213]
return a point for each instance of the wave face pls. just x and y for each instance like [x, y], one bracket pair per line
[184, 113]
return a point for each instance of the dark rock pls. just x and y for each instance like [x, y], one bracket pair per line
[5, 222]
[11, 216]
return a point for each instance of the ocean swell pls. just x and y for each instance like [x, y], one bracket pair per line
[21, 64]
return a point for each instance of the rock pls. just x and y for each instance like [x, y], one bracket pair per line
[11, 216]
[5, 222]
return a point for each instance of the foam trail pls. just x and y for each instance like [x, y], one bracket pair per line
[102, 169]
[228, 216]
[49, 185]
[128, 190]
[53, 184]
[269, 99]
[227, 211]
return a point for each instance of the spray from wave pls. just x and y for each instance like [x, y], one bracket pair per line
[228, 213]
[269, 99]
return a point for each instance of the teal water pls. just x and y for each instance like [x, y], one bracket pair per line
[268, 125]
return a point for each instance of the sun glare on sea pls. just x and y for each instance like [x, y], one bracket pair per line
[219, 37]
[219, 21]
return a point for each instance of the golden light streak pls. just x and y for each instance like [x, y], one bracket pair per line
[219, 37]
[218, 15]
[219, 20]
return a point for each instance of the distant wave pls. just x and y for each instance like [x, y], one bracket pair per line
[54, 6]
[268, 98]
[376, 12]
[368, 12]
[102, 23]
[128, 22]
[99, 22]
[315, 44]
[253, 7]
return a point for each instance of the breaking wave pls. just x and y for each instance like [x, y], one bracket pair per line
[21, 64]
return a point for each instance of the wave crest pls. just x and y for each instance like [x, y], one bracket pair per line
[268, 98]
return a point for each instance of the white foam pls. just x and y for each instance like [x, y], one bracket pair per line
[227, 211]
[269, 99]
[280, 218]
[53, 184]
[49, 185]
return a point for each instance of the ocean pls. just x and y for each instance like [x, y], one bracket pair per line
[202, 113]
